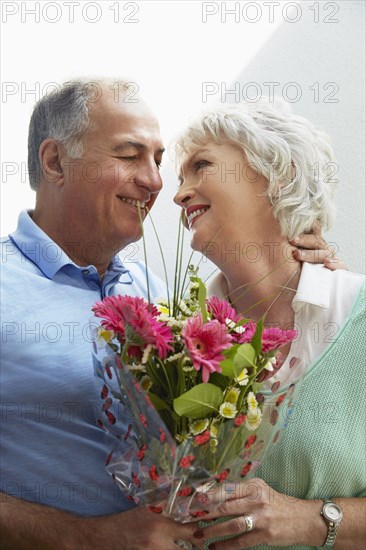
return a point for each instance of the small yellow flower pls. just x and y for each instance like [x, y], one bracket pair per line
[252, 402]
[181, 437]
[232, 396]
[214, 428]
[145, 383]
[242, 379]
[199, 426]
[107, 335]
[228, 410]
[163, 309]
[253, 419]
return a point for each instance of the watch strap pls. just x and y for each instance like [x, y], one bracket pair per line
[332, 529]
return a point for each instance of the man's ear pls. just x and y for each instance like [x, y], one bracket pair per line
[50, 157]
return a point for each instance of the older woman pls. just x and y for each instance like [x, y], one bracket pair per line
[253, 177]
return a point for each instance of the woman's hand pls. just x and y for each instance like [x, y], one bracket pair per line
[279, 519]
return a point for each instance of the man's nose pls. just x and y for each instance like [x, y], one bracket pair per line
[148, 176]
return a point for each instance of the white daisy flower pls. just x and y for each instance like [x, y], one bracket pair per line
[251, 400]
[228, 410]
[174, 357]
[199, 426]
[242, 379]
[269, 365]
[146, 354]
[137, 367]
[253, 419]
[232, 395]
[214, 428]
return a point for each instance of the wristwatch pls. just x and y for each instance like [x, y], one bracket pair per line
[332, 515]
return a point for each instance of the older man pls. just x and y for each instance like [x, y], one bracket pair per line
[94, 155]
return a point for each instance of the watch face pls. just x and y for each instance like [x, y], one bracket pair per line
[332, 512]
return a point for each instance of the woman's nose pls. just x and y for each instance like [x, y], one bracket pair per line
[183, 196]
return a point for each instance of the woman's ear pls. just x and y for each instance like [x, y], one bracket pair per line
[50, 157]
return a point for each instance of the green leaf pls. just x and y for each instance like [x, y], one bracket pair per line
[257, 338]
[219, 380]
[227, 368]
[244, 357]
[181, 379]
[198, 402]
[202, 292]
[229, 353]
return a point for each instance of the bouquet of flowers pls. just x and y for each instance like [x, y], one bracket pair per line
[181, 384]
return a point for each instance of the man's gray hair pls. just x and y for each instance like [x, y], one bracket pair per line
[63, 115]
[295, 157]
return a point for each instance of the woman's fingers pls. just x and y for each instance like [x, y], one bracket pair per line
[313, 249]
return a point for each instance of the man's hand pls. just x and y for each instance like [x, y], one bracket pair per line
[28, 526]
[137, 529]
[312, 248]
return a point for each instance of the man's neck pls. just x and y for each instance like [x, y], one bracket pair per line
[78, 248]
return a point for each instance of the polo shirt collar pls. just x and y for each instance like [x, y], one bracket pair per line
[40, 249]
[314, 287]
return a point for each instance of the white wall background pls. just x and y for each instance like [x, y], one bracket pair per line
[178, 50]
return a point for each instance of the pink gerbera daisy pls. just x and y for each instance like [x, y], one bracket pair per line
[274, 338]
[205, 342]
[222, 310]
[226, 314]
[134, 321]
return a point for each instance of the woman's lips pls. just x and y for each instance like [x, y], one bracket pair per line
[194, 212]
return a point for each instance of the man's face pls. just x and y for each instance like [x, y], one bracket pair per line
[119, 170]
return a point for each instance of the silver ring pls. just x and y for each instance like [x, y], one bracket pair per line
[249, 521]
[185, 544]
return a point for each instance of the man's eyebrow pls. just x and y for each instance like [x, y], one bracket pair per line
[136, 144]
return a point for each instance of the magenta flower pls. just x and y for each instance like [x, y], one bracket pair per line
[222, 310]
[274, 338]
[205, 343]
[226, 314]
[134, 321]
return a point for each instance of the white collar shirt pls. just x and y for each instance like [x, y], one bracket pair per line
[322, 304]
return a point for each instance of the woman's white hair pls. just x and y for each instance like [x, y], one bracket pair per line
[294, 156]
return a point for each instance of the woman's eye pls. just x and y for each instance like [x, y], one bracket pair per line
[200, 164]
[128, 158]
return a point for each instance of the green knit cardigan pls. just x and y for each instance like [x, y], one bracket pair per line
[323, 452]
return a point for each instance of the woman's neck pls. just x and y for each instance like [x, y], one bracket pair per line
[264, 288]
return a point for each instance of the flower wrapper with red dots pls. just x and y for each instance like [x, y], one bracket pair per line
[153, 469]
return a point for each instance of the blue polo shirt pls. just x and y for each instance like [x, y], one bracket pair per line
[52, 451]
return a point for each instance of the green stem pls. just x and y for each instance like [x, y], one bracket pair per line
[180, 262]
[184, 289]
[124, 356]
[175, 291]
[163, 259]
[167, 379]
[145, 253]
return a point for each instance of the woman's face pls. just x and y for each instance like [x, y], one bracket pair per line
[221, 196]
